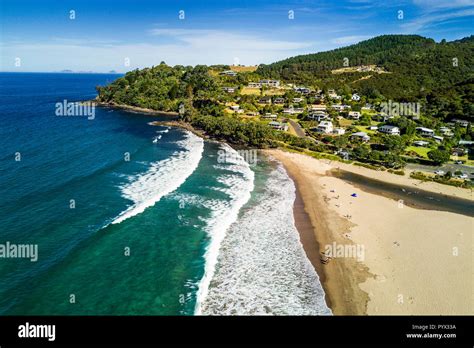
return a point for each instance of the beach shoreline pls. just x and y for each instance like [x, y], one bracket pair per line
[398, 260]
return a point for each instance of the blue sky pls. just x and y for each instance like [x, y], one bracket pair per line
[123, 34]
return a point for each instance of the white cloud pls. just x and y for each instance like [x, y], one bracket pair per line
[433, 5]
[433, 19]
[183, 46]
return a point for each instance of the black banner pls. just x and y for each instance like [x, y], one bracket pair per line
[333, 330]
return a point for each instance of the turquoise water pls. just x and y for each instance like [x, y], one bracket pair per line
[124, 237]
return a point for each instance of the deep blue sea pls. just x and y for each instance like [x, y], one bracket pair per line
[133, 219]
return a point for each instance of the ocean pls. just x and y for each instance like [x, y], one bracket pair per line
[134, 219]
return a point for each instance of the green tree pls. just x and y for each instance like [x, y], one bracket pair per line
[438, 156]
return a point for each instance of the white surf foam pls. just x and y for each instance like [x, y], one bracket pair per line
[262, 268]
[162, 178]
[238, 185]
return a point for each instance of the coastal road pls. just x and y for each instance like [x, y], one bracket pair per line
[469, 170]
[298, 130]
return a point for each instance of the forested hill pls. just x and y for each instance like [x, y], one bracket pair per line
[408, 66]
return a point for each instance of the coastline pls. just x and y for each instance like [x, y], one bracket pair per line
[135, 109]
[404, 248]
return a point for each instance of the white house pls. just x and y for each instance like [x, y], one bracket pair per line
[339, 131]
[228, 89]
[420, 143]
[426, 132]
[438, 138]
[234, 107]
[292, 111]
[462, 123]
[228, 73]
[254, 85]
[355, 97]
[332, 94]
[270, 116]
[361, 135]
[278, 125]
[391, 130]
[355, 115]
[318, 116]
[373, 128]
[325, 127]
[297, 100]
[265, 100]
[446, 131]
[270, 83]
[317, 107]
[279, 100]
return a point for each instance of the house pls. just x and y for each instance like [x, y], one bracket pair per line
[438, 138]
[278, 125]
[360, 135]
[426, 132]
[270, 116]
[325, 127]
[420, 143]
[317, 107]
[279, 101]
[234, 107]
[270, 83]
[318, 116]
[391, 130]
[297, 100]
[252, 113]
[458, 151]
[355, 97]
[339, 131]
[292, 111]
[355, 115]
[466, 142]
[332, 94]
[265, 100]
[337, 107]
[372, 128]
[228, 73]
[446, 131]
[229, 89]
[462, 123]
[254, 85]
[302, 90]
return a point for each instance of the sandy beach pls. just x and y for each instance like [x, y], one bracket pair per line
[408, 261]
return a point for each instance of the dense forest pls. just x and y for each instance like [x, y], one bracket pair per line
[414, 69]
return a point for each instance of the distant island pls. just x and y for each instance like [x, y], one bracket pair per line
[381, 103]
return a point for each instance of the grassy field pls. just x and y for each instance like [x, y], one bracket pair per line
[239, 68]
[256, 91]
[345, 123]
[364, 129]
[421, 151]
